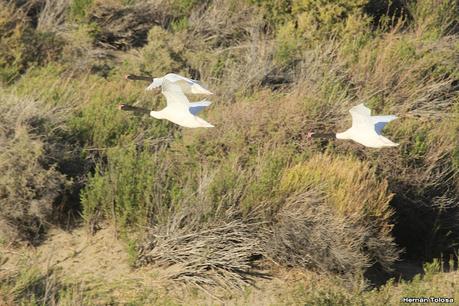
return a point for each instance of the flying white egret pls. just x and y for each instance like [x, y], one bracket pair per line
[179, 110]
[189, 86]
[365, 129]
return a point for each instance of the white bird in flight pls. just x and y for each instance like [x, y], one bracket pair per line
[179, 109]
[188, 86]
[365, 129]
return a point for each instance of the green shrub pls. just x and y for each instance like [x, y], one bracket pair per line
[185, 6]
[79, 9]
[31, 181]
[315, 21]
[265, 178]
[351, 193]
[162, 54]
[433, 19]
[21, 47]
[128, 190]
[276, 12]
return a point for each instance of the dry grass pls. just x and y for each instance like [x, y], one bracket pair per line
[305, 233]
[126, 26]
[31, 282]
[218, 253]
[400, 74]
[53, 16]
[226, 42]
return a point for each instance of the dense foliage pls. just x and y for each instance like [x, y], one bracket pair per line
[255, 182]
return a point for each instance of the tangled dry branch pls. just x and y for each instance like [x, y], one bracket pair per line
[221, 254]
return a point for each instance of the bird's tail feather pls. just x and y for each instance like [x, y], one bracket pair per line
[203, 123]
[388, 142]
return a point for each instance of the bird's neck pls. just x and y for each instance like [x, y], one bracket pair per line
[157, 115]
[137, 110]
[140, 78]
[324, 135]
[343, 135]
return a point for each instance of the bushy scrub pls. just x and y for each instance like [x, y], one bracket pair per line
[275, 11]
[30, 183]
[216, 252]
[430, 181]
[21, 46]
[122, 25]
[215, 201]
[347, 193]
[409, 78]
[79, 8]
[433, 19]
[314, 21]
[129, 190]
[162, 54]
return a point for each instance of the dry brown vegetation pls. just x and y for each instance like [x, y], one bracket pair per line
[30, 182]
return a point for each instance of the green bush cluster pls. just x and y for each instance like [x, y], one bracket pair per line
[126, 191]
[31, 182]
[312, 22]
[79, 8]
[21, 46]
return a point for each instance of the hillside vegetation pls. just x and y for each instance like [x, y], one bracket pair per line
[225, 214]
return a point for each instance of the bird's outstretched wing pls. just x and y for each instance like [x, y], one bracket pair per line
[360, 110]
[174, 95]
[196, 107]
[361, 117]
[175, 77]
[188, 85]
[381, 121]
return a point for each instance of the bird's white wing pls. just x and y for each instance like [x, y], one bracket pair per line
[174, 95]
[172, 77]
[196, 107]
[361, 118]
[360, 110]
[381, 121]
[189, 86]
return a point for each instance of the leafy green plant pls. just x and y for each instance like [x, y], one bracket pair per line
[22, 46]
[79, 9]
